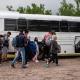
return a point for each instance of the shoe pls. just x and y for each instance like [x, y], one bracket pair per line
[43, 59]
[24, 67]
[0, 62]
[36, 61]
[53, 61]
[46, 65]
[12, 65]
[57, 64]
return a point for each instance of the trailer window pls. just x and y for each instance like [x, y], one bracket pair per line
[39, 25]
[22, 24]
[64, 26]
[74, 26]
[10, 24]
[54, 25]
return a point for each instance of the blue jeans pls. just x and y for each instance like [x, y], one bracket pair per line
[22, 52]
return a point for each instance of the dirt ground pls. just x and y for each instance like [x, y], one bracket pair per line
[68, 69]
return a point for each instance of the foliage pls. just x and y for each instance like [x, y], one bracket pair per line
[66, 9]
[69, 9]
[34, 9]
[77, 13]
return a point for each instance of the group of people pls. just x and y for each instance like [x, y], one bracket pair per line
[23, 49]
[52, 48]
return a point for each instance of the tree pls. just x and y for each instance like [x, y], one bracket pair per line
[34, 9]
[77, 4]
[48, 12]
[21, 9]
[28, 10]
[77, 13]
[69, 9]
[66, 9]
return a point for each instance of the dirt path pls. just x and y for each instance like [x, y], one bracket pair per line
[69, 69]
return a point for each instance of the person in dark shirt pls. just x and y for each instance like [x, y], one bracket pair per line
[20, 46]
[26, 40]
[5, 45]
[1, 44]
[54, 51]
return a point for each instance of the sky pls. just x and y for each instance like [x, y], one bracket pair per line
[49, 4]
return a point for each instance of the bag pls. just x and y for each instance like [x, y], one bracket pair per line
[20, 41]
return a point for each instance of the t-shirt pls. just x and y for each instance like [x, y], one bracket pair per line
[5, 40]
[47, 39]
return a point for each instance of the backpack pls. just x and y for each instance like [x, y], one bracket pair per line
[18, 41]
[59, 49]
[14, 42]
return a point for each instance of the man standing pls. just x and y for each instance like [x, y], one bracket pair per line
[54, 51]
[26, 45]
[5, 45]
[20, 46]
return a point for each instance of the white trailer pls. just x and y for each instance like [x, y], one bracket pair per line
[66, 27]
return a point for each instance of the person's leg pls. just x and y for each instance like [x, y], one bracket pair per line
[36, 57]
[53, 57]
[26, 54]
[4, 51]
[56, 59]
[16, 57]
[0, 57]
[22, 51]
[7, 50]
[47, 54]
[44, 53]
